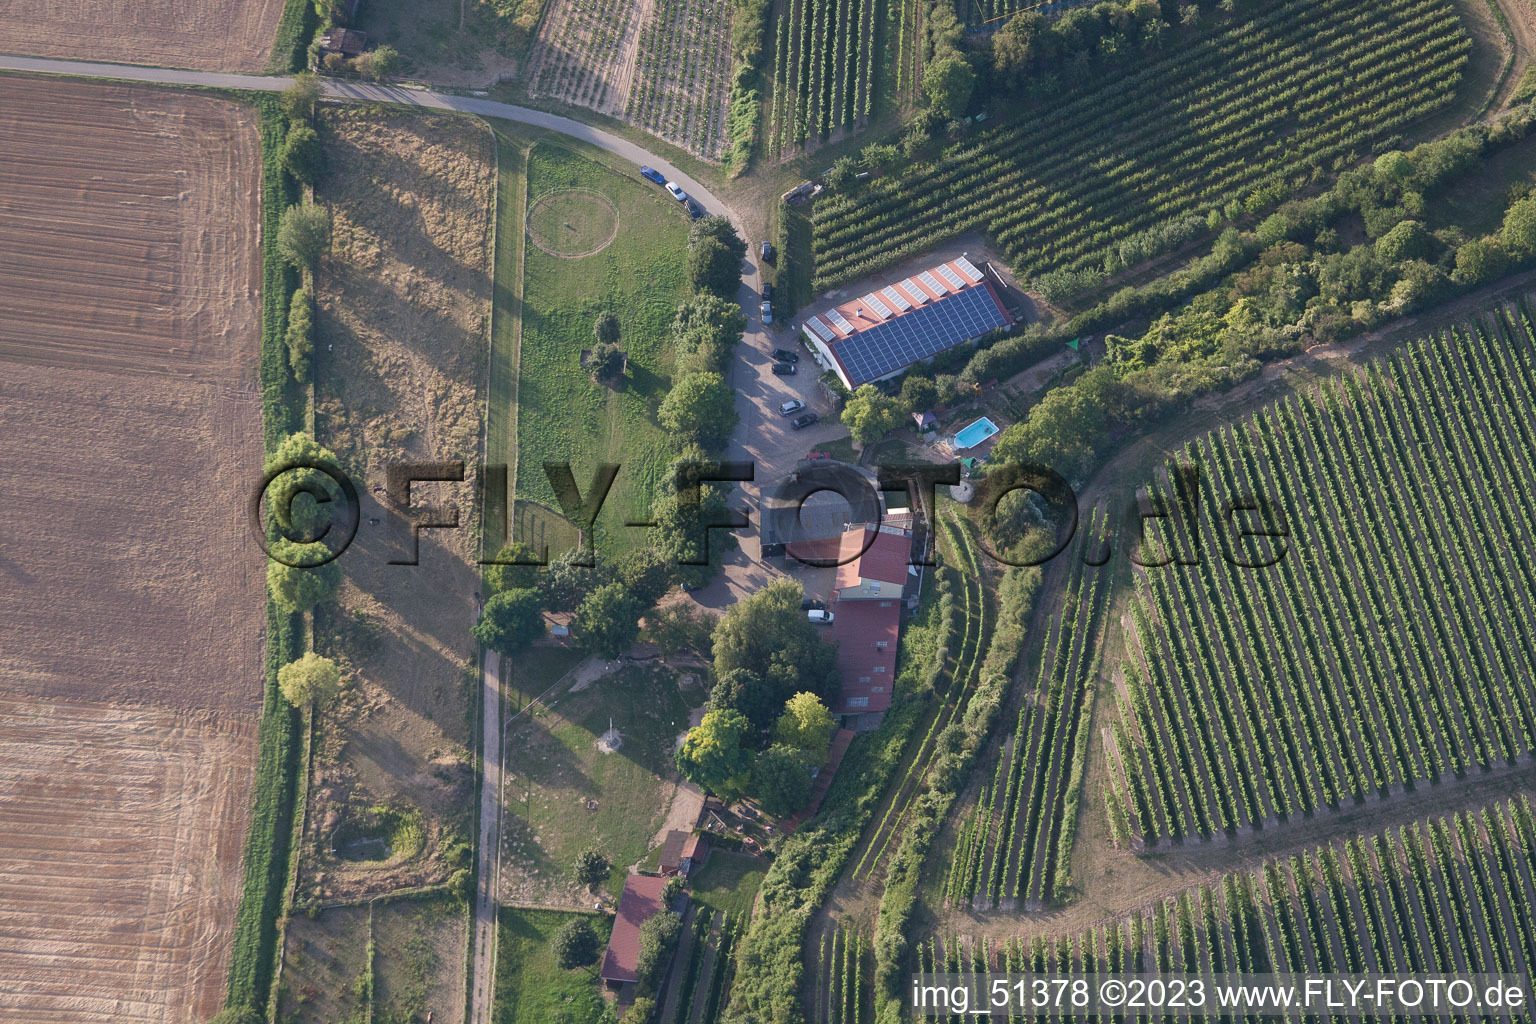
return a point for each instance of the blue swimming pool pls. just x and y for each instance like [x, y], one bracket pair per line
[974, 434]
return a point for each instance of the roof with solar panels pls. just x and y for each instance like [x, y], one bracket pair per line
[880, 334]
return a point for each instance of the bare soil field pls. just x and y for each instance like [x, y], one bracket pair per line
[131, 608]
[400, 367]
[236, 35]
[121, 831]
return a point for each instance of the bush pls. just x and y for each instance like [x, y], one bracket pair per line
[303, 234]
[378, 63]
[575, 944]
[591, 867]
[312, 681]
[300, 334]
[700, 409]
[236, 1015]
[302, 156]
[658, 937]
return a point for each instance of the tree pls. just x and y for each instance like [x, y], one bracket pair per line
[300, 334]
[878, 154]
[303, 234]
[712, 755]
[712, 268]
[842, 174]
[1478, 261]
[312, 681]
[781, 779]
[510, 621]
[807, 725]
[380, 62]
[301, 587]
[591, 867]
[1518, 232]
[682, 536]
[299, 99]
[657, 938]
[575, 944]
[871, 414]
[605, 361]
[301, 469]
[640, 1011]
[647, 575]
[1407, 241]
[705, 331]
[720, 229]
[674, 888]
[919, 393]
[504, 576]
[768, 634]
[701, 408]
[302, 156]
[566, 581]
[744, 691]
[678, 629]
[606, 328]
[607, 621]
[948, 81]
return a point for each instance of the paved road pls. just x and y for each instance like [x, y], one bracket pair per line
[758, 390]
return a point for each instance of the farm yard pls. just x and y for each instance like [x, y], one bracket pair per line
[131, 676]
[1223, 119]
[159, 32]
[403, 308]
[1433, 621]
[825, 68]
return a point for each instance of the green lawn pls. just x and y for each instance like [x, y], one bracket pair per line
[530, 987]
[561, 414]
[555, 771]
[728, 882]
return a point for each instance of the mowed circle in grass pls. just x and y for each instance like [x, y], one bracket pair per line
[572, 223]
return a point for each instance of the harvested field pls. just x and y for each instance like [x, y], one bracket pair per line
[131, 613]
[235, 35]
[119, 854]
[400, 361]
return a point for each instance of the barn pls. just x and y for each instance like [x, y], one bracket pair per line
[882, 334]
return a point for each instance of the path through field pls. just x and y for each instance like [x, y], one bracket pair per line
[483, 991]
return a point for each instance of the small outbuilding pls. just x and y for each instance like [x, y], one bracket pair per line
[348, 42]
[640, 902]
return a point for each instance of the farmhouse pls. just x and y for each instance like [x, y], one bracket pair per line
[640, 901]
[880, 335]
[348, 42]
[874, 573]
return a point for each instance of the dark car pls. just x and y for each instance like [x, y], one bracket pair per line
[653, 175]
[767, 289]
[784, 369]
[695, 211]
[784, 355]
[768, 252]
[801, 422]
[811, 604]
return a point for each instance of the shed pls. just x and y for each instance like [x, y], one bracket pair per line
[348, 42]
[672, 852]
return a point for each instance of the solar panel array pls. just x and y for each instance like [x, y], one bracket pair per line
[968, 268]
[839, 321]
[917, 293]
[822, 330]
[886, 348]
[950, 276]
[897, 299]
[881, 309]
[932, 282]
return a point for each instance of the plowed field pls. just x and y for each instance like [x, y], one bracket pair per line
[235, 35]
[131, 594]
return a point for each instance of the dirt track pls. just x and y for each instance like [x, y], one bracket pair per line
[235, 35]
[131, 594]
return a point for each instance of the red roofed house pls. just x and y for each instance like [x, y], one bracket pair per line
[866, 619]
[640, 902]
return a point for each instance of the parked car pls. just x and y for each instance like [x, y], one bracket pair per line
[801, 422]
[650, 174]
[768, 252]
[676, 192]
[784, 369]
[767, 312]
[767, 289]
[791, 407]
[785, 355]
[819, 615]
[813, 456]
[695, 211]
[810, 602]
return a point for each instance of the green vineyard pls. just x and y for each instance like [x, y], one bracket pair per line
[1453, 895]
[824, 70]
[843, 974]
[1016, 840]
[1393, 643]
[1243, 113]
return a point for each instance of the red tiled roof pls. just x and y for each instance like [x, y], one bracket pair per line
[694, 845]
[640, 902]
[868, 671]
[885, 559]
[672, 850]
